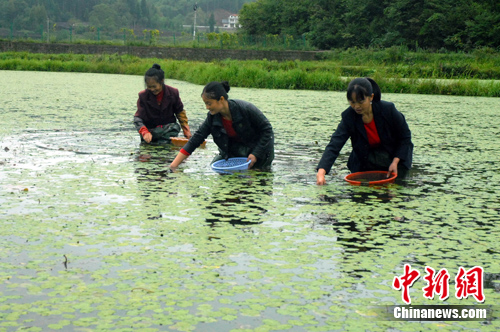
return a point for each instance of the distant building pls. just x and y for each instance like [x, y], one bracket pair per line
[231, 21]
[229, 24]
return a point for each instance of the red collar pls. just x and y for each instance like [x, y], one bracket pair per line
[159, 96]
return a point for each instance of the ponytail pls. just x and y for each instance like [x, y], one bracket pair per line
[364, 87]
[215, 90]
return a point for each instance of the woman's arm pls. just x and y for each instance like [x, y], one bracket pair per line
[402, 133]
[253, 160]
[139, 119]
[183, 121]
[195, 141]
[199, 136]
[263, 127]
[320, 177]
[142, 129]
[178, 159]
[393, 167]
[332, 150]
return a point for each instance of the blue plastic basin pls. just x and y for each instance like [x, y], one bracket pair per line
[230, 165]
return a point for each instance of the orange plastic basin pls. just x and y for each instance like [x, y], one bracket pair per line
[370, 178]
[181, 141]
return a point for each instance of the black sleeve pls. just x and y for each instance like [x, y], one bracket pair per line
[199, 136]
[404, 148]
[332, 150]
[262, 125]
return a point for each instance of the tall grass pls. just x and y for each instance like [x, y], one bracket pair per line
[450, 74]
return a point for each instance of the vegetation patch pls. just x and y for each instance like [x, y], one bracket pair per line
[474, 74]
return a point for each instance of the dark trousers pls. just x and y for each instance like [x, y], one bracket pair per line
[162, 134]
[380, 160]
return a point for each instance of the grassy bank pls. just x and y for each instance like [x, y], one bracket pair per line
[396, 70]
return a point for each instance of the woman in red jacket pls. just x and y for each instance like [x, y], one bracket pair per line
[157, 109]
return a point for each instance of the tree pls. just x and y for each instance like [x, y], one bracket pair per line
[146, 19]
[431, 24]
[13, 10]
[405, 19]
[483, 27]
[327, 27]
[38, 16]
[104, 16]
[211, 22]
[262, 17]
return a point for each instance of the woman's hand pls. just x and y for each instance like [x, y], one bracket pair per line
[187, 133]
[320, 177]
[393, 167]
[147, 137]
[253, 160]
[177, 160]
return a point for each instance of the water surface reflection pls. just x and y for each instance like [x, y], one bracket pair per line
[245, 203]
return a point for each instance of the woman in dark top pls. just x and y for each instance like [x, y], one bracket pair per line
[238, 128]
[157, 109]
[380, 137]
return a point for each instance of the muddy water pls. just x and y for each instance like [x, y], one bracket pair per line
[96, 234]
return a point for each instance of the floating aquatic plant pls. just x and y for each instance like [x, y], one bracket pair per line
[96, 236]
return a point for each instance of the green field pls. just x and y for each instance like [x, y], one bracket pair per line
[397, 70]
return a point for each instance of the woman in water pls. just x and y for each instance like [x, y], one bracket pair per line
[380, 137]
[157, 109]
[238, 128]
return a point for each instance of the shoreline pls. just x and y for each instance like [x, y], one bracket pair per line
[325, 75]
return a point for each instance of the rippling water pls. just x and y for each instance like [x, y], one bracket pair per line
[96, 234]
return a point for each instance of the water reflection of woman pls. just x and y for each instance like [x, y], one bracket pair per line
[241, 201]
[238, 128]
[157, 109]
[380, 136]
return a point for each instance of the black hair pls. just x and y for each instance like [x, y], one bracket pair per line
[215, 90]
[363, 87]
[155, 73]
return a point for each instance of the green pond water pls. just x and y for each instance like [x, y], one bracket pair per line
[97, 235]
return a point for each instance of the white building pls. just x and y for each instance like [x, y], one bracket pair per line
[231, 21]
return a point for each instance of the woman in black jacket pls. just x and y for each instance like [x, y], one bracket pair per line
[380, 137]
[238, 128]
